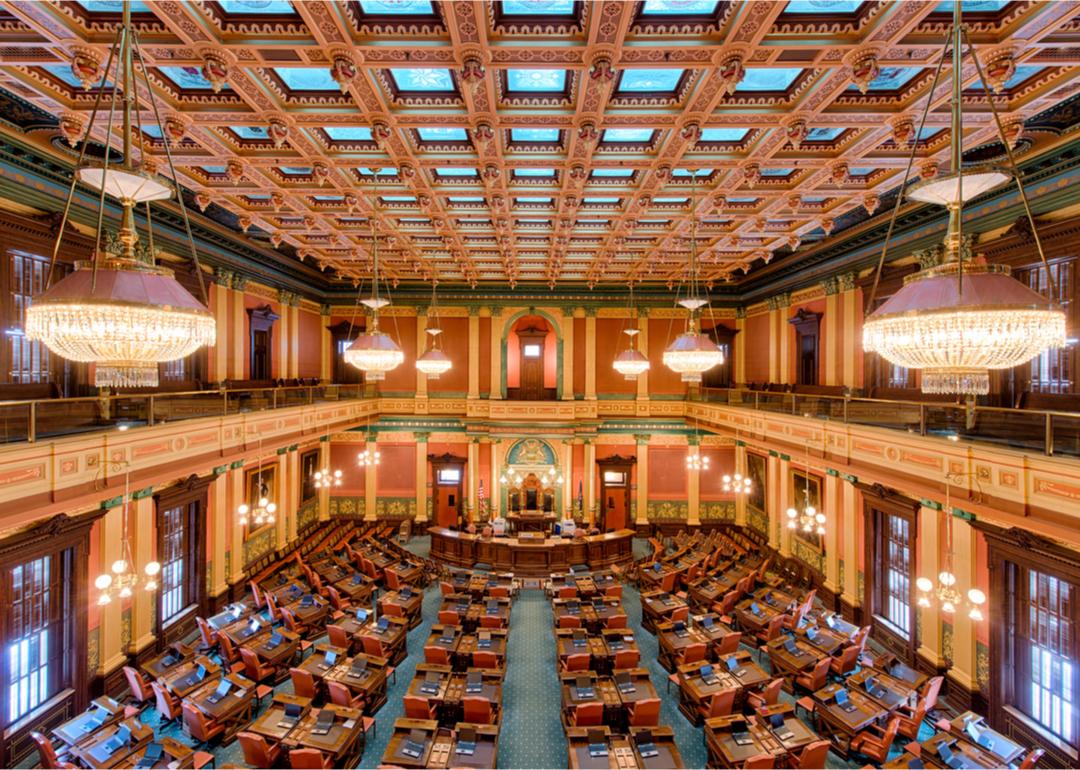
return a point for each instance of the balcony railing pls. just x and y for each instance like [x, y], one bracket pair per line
[1050, 433]
[51, 418]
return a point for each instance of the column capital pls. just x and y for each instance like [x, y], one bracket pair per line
[831, 286]
[421, 436]
[324, 310]
[846, 281]
[474, 311]
[642, 311]
[779, 301]
[590, 311]
[223, 276]
[740, 312]
[641, 438]
[495, 311]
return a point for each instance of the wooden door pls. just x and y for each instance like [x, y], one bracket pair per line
[447, 488]
[615, 508]
[260, 355]
[532, 364]
[615, 492]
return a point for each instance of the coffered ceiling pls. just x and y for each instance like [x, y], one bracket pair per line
[545, 142]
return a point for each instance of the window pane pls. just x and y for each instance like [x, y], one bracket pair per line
[895, 554]
[1050, 632]
[30, 362]
[33, 644]
[173, 595]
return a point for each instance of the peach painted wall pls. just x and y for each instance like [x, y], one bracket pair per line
[513, 351]
[663, 381]
[455, 343]
[610, 341]
[579, 356]
[403, 378]
[343, 458]
[396, 476]
[711, 482]
[667, 473]
[309, 343]
[816, 306]
[485, 356]
[756, 338]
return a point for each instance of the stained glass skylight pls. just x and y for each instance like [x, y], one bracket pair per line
[650, 80]
[678, 7]
[398, 198]
[295, 170]
[700, 173]
[250, 132]
[348, 133]
[824, 134]
[397, 7]
[422, 79]
[535, 172]
[466, 199]
[539, 135]
[442, 134]
[668, 200]
[768, 78]
[213, 169]
[1023, 72]
[329, 198]
[723, 134]
[537, 7]
[112, 6]
[534, 201]
[307, 78]
[267, 7]
[971, 6]
[861, 171]
[455, 171]
[536, 81]
[152, 130]
[822, 6]
[187, 78]
[629, 135]
[391, 171]
[890, 79]
[929, 132]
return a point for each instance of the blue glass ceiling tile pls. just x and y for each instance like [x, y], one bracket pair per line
[823, 134]
[538, 7]
[547, 135]
[268, 7]
[112, 6]
[650, 80]
[295, 170]
[307, 78]
[636, 135]
[776, 171]
[536, 81]
[466, 199]
[399, 198]
[455, 171]
[822, 6]
[742, 200]
[535, 172]
[442, 134]
[768, 78]
[348, 133]
[890, 79]
[678, 7]
[250, 132]
[380, 171]
[422, 79]
[700, 173]
[534, 201]
[188, 78]
[329, 198]
[929, 133]
[669, 200]
[723, 134]
[971, 6]
[397, 7]
[152, 130]
[811, 199]
[213, 169]
[600, 200]
[861, 171]
[257, 196]
[620, 173]
[1023, 72]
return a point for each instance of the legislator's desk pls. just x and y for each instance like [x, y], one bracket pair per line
[406, 603]
[970, 754]
[421, 732]
[317, 665]
[185, 678]
[87, 753]
[161, 664]
[269, 723]
[657, 606]
[450, 749]
[103, 711]
[491, 640]
[533, 557]
[662, 740]
[623, 752]
[230, 614]
[732, 740]
[888, 692]
[787, 728]
[842, 725]
[391, 639]
[233, 710]
[676, 637]
[790, 656]
[822, 638]
[887, 663]
[695, 693]
[531, 521]
[340, 744]
[370, 682]
[174, 756]
[1005, 749]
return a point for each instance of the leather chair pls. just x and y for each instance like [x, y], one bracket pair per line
[208, 638]
[568, 592]
[256, 594]
[692, 653]
[644, 713]
[339, 637]
[613, 592]
[769, 695]
[579, 661]
[931, 690]
[227, 649]
[373, 646]
[437, 655]
[1032, 759]
[627, 659]
[392, 610]
[727, 604]
[499, 592]
[492, 621]
[772, 630]
[682, 613]
[813, 756]
[303, 682]
[874, 742]
[615, 621]
[446, 588]
[258, 752]
[569, 621]
[292, 623]
[168, 705]
[485, 659]
[589, 714]
[199, 726]
[309, 759]
[814, 679]
[417, 707]
[340, 695]
[759, 762]
[141, 691]
[47, 752]
[911, 719]
[479, 710]
[254, 668]
[338, 604]
[721, 704]
[844, 663]
[667, 582]
[729, 645]
[393, 580]
[449, 618]
[272, 608]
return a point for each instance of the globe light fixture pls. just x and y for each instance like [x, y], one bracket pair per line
[368, 458]
[434, 361]
[123, 579]
[737, 484]
[695, 461]
[324, 478]
[631, 363]
[121, 311]
[962, 319]
[807, 519]
[262, 510]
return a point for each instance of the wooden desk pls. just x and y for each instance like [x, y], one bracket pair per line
[230, 614]
[339, 744]
[160, 665]
[752, 622]
[242, 632]
[825, 640]
[355, 593]
[973, 756]
[183, 679]
[604, 690]
[593, 615]
[791, 732]
[657, 606]
[316, 664]
[590, 645]
[470, 643]
[643, 686]
[140, 736]
[887, 663]
[267, 724]
[392, 639]
[695, 694]
[280, 655]
[408, 605]
[620, 753]
[372, 684]
[81, 729]
[439, 694]
[787, 663]
[485, 754]
[725, 752]
[537, 558]
[403, 728]
[778, 599]
[831, 720]
[663, 738]
[174, 755]
[234, 710]
[616, 641]
[313, 614]
[889, 693]
[1004, 748]
[672, 644]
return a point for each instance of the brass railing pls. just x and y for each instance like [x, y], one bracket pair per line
[38, 419]
[1047, 432]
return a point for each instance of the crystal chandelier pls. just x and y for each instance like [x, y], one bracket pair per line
[631, 363]
[263, 509]
[434, 362]
[959, 320]
[368, 457]
[737, 484]
[374, 352]
[809, 519]
[121, 311]
[692, 353]
[948, 596]
[123, 579]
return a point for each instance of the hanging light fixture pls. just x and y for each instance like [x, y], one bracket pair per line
[325, 478]
[121, 311]
[696, 461]
[808, 519]
[692, 353]
[434, 362]
[631, 363]
[368, 458]
[948, 596]
[374, 352]
[263, 509]
[958, 320]
[122, 579]
[737, 484]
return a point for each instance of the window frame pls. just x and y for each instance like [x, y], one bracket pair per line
[880, 503]
[191, 496]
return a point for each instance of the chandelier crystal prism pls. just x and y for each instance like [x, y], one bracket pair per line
[958, 321]
[121, 311]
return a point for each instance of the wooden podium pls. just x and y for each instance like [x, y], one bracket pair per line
[531, 521]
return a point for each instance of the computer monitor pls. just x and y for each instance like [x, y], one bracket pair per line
[292, 710]
[223, 687]
[330, 657]
[200, 671]
[383, 623]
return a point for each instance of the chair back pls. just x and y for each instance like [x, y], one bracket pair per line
[589, 714]
[418, 708]
[627, 658]
[485, 659]
[819, 674]
[289, 617]
[449, 618]
[228, 651]
[272, 607]
[140, 688]
[744, 585]
[722, 703]
[372, 646]
[492, 621]
[339, 694]
[569, 621]
[645, 713]
[437, 655]
[392, 610]
[499, 592]
[303, 682]
[692, 653]
[813, 756]
[759, 762]
[256, 749]
[446, 588]
[252, 667]
[613, 592]
[770, 696]
[729, 644]
[306, 759]
[727, 604]
[931, 690]
[567, 592]
[773, 629]
[1032, 759]
[335, 598]
[393, 582]
[682, 613]
[338, 636]
[478, 710]
[46, 752]
[849, 656]
[208, 635]
[579, 661]
[667, 582]
[256, 594]
[195, 721]
[165, 702]
[890, 731]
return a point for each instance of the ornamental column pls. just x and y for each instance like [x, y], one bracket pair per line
[928, 565]
[774, 339]
[421, 333]
[784, 501]
[496, 389]
[142, 528]
[496, 474]
[110, 530]
[220, 293]
[740, 468]
[236, 496]
[589, 472]
[851, 513]
[322, 495]
[568, 478]
[282, 334]
[567, 328]
[850, 300]
[783, 335]
[474, 352]
[693, 486]
[831, 500]
[421, 476]
[292, 500]
[963, 627]
[238, 342]
[472, 475]
[642, 441]
[326, 359]
[281, 471]
[775, 512]
[590, 354]
[217, 516]
[830, 330]
[370, 499]
[642, 342]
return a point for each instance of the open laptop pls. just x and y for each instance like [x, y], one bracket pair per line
[329, 659]
[742, 738]
[842, 700]
[170, 660]
[645, 746]
[579, 638]
[466, 742]
[382, 624]
[474, 682]
[362, 615]
[811, 633]
[358, 669]
[430, 685]
[597, 744]
[151, 756]
[624, 682]
[115, 742]
[483, 639]
[681, 630]
[307, 601]
[323, 722]
[413, 745]
[708, 676]
[291, 716]
[707, 622]
[222, 690]
[874, 687]
[754, 608]
[584, 688]
[447, 635]
[95, 719]
[274, 640]
[778, 723]
[357, 579]
[405, 592]
[732, 664]
[493, 607]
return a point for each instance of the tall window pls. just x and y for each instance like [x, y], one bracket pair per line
[896, 588]
[173, 540]
[29, 361]
[890, 554]
[1050, 624]
[181, 552]
[1054, 370]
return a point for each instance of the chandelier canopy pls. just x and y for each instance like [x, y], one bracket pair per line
[692, 354]
[631, 363]
[374, 353]
[434, 361]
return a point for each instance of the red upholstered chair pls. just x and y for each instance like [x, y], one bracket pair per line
[499, 592]
[392, 610]
[667, 582]
[874, 742]
[759, 762]
[579, 661]
[446, 588]
[309, 759]
[449, 618]
[814, 679]
[393, 581]
[627, 658]
[911, 719]
[207, 635]
[293, 623]
[303, 682]
[257, 595]
[721, 704]
[589, 714]
[692, 653]
[492, 621]
[258, 752]
[478, 710]
[373, 646]
[47, 752]
[727, 604]
[254, 668]
[485, 659]
[745, 585]
[340, 695]
[168, 705]
[316, 583]
[615, 621]
[199, 726]
[644, 713]
[569, 621]
[729, 645]
[769, 695]
[772, 630]
[228, 650]
[1032, 759]
[339, 604]
[339, 637]
[931, 690]
[568, 592]
[272, 608]
[140, 687]
[813, 756]
[438, 655]
[613, 592]
[682, 613]
[417, 707]
[845, 662]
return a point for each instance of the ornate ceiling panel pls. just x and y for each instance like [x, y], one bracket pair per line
[545, 142]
